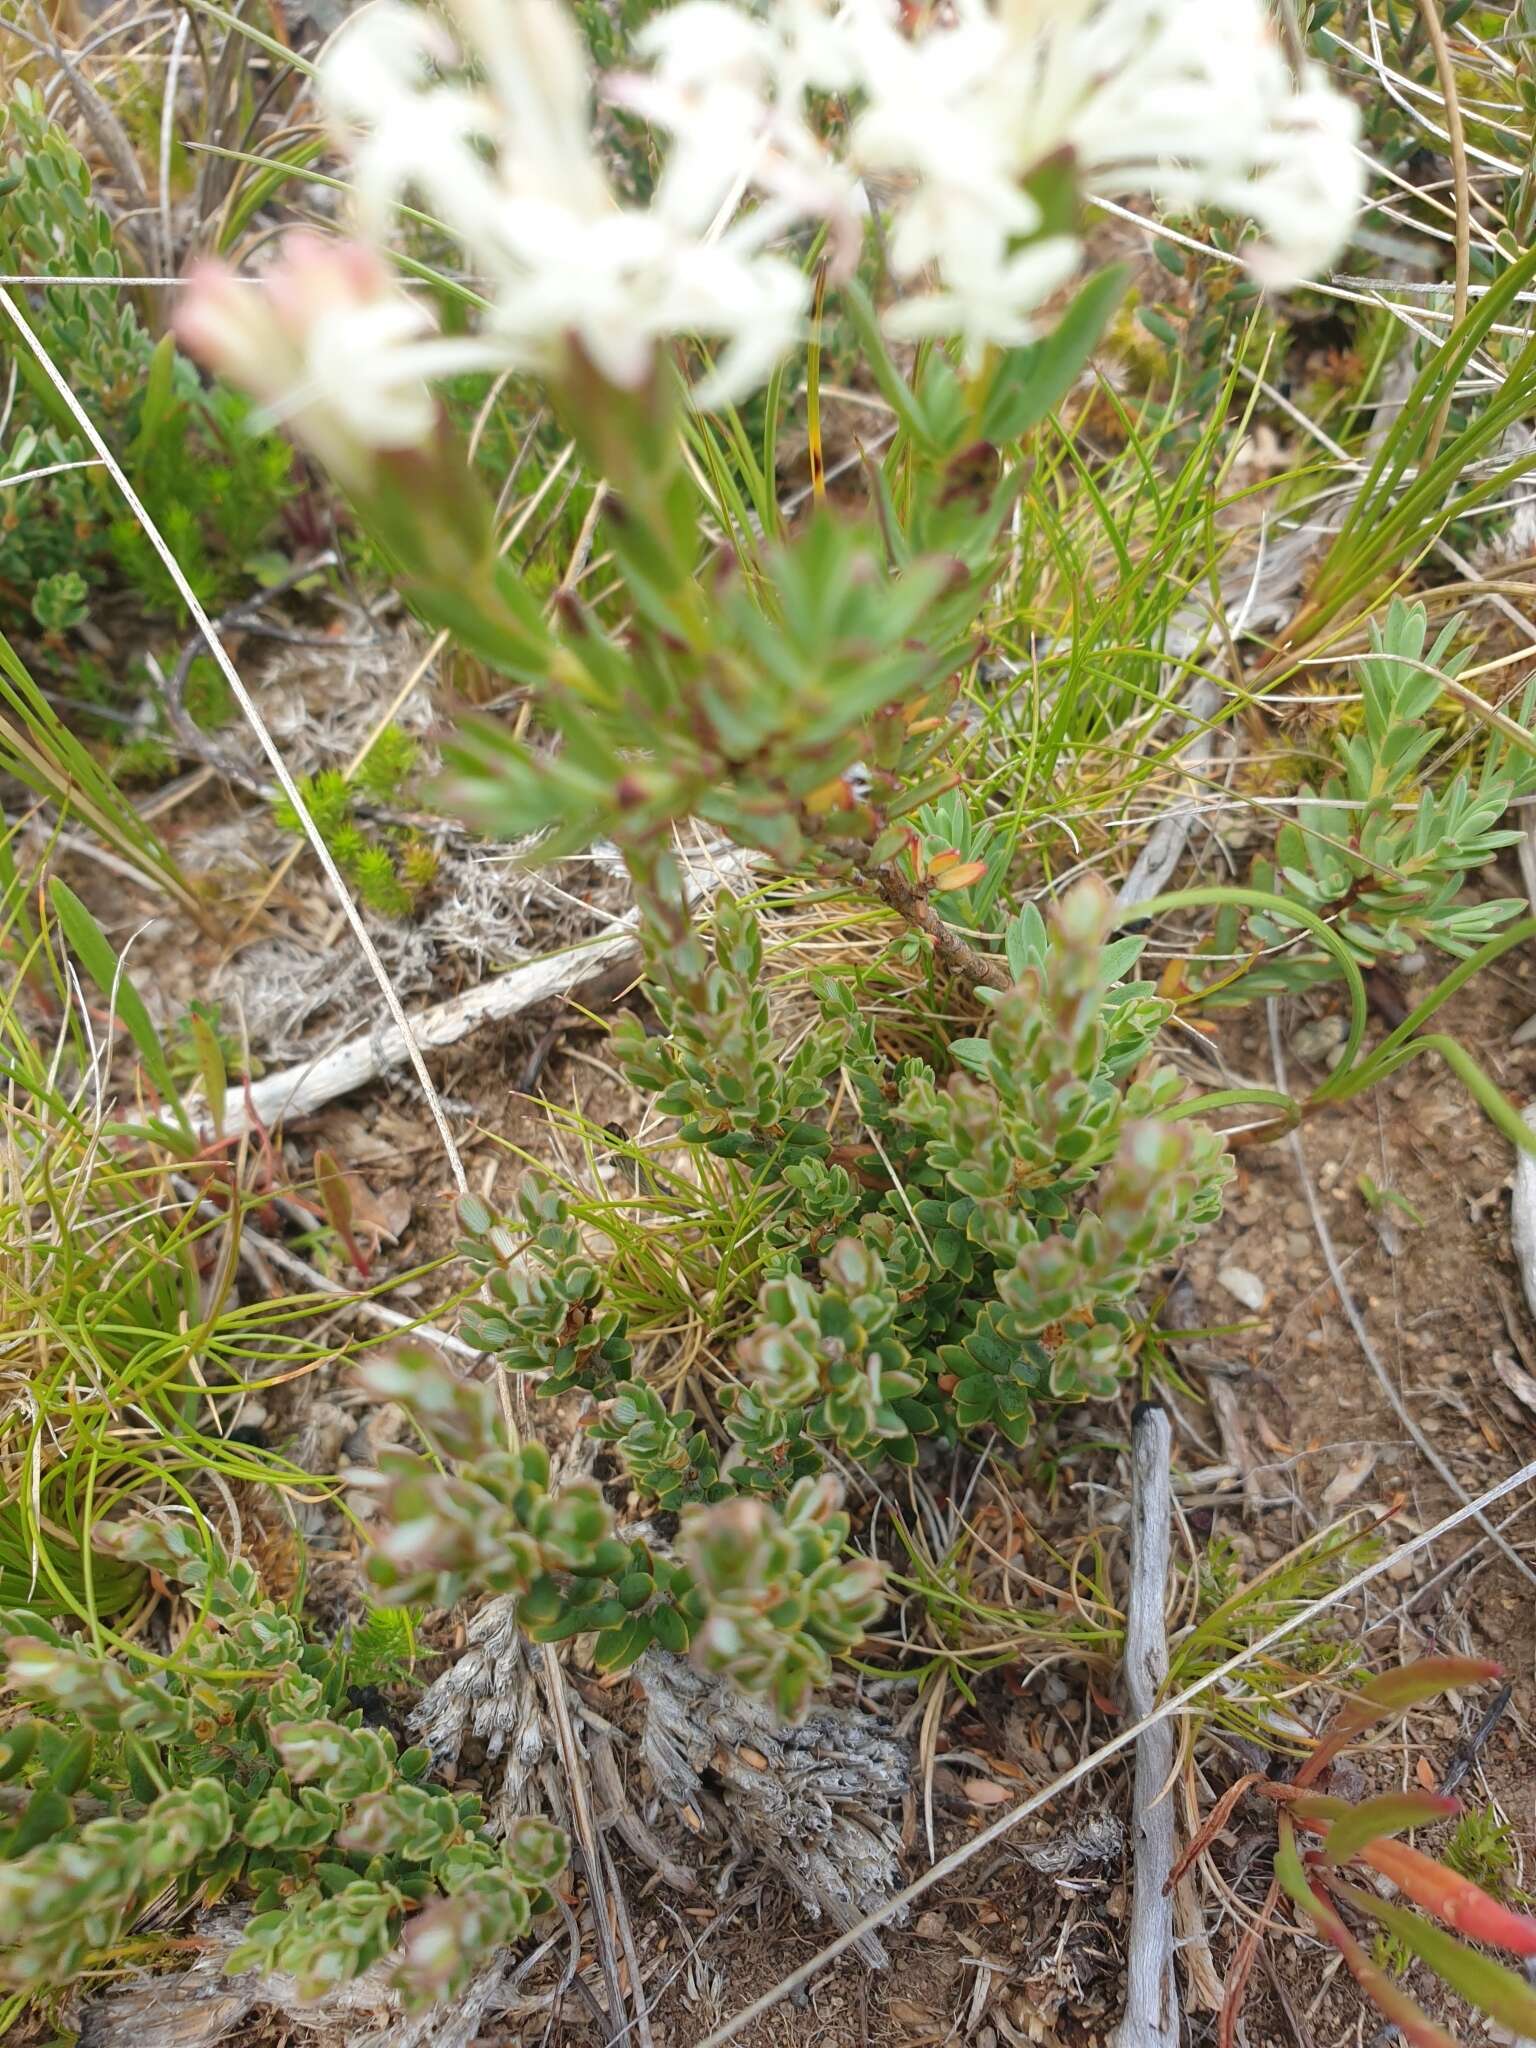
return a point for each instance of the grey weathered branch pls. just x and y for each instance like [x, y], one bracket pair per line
[1522, 1217]
[1151, 2018]
[812, 1801]
[309, 1085]
[201, 2007]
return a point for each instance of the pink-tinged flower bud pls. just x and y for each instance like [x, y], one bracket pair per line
[329, 346]
[229, 328]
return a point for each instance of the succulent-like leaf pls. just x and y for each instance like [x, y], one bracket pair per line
[1393, 2002]
[1388, 1814]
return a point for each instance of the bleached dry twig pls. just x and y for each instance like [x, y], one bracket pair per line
[1522, 1217]
[1151, 2017]
[301, 1089]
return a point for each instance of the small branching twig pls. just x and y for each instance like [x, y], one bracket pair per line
[954, 954]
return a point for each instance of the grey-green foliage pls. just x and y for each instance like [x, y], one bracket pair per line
[961, 1246]
[789, 693]
[1378, 850]
[972, 1241]
[239, 1771]
[958, 1248]
[482, 1516]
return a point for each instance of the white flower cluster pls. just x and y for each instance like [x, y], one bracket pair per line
[1190, 102]
[970, 119]
[511, 168]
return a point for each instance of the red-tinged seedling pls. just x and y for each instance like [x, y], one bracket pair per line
[1357, 1838]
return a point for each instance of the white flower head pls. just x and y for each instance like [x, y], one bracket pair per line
[329, 345]
[1190, 102]
[729, 89]
[975, 125]
[513, 170]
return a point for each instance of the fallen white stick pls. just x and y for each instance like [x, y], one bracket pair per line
[302, 1089]
[1151, 2017]
[1155, 864]
[1522, 1216]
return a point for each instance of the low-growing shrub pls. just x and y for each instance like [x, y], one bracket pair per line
[959, 1249]
[214, 488]
[236, 1770]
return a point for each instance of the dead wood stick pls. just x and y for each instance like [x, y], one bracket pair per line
[1151, 2018]
[1522, 1218]
[300, 1090]
[620, 1813]
[1155, 864]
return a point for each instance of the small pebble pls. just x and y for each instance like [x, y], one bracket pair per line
[1320, 1039]
[1243, 1286]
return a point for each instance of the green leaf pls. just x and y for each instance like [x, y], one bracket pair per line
[1030, 382]
[618, 1647]
[1391, 1813]
[211, 1067]
[16, 1747]
[46, 1814]
[95, 953]
[1393, 1692]
[159, 399]
[1416, 2025]
[893, 386]
[73, 1765]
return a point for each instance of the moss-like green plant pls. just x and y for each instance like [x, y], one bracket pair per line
[390, 867]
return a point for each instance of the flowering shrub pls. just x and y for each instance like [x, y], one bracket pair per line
[996, 120]
[789, 690]
[238, 1771]
[972, 1244]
